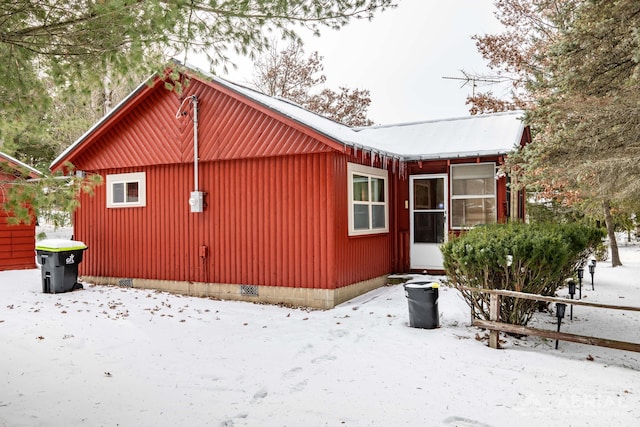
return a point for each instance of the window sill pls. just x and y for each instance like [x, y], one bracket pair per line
[368, 234]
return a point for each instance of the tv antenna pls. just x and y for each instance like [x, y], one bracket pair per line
[473, 80]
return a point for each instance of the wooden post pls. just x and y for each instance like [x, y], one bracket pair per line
[494, 316]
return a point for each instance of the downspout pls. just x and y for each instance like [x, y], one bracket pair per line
[396, 233]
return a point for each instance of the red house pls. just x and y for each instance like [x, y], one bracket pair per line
[17, 242]
[278, 204]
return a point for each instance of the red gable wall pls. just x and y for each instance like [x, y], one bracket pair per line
[229, 128]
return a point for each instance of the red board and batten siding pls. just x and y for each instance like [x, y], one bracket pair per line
[260, 227]
[276, 199]
[17, 242]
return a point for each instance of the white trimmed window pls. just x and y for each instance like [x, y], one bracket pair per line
[126, 190]
[368, 196]
[473, 195]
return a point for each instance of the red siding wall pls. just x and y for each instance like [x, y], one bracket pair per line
[17, 242]
[277, 221]
[360, 257]
[265, 224]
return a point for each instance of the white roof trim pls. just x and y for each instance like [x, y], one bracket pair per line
[18, 162]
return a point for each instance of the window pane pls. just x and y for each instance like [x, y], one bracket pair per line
[368, 199]
[485, 170]
[126, 190]
[118, 192]
[473, 187]
[377, 213]
[377, 190]
[360, 217]
[428, 227]
[360, 188]
[472, 180]
[132, 192]
[471, 212]
[428, 193]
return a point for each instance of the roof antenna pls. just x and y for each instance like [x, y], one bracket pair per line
[468, 78]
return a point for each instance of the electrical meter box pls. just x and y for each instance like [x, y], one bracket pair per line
[196, 201]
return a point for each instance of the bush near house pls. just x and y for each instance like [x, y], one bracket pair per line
[532, 258]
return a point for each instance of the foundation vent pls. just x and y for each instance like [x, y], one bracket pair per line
[126, 283]
[249, 290]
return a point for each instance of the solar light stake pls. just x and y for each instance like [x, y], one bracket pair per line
[572, 291]
[560, 308]
[580, 276]
[592, 270]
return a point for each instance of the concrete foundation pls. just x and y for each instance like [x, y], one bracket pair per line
[298, 297]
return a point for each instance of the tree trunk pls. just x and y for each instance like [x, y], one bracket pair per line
[615, 256]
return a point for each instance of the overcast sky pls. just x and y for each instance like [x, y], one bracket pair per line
[402, 56]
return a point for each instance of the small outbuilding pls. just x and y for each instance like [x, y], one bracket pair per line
[17, 242]
[225, 192]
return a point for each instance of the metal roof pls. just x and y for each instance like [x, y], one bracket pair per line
[489, 134]
[481, 135]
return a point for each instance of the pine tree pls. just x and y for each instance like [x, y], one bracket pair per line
[590, 119]
[574, 66]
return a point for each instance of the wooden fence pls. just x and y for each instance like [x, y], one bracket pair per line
[495, 326]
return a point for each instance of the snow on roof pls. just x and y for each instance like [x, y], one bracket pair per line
[487, 134]
[481, 135]
[19, 163]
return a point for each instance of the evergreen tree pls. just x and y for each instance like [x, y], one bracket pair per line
[574, 66]
[78, 41]
[589, 118]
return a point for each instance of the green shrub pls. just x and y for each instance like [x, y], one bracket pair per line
[531, 258]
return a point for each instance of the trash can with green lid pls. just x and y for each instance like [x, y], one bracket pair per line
[423, 304]
[59, 259]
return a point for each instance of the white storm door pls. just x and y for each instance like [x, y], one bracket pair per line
[428, 220]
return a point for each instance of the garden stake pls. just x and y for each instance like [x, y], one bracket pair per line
[560, 308]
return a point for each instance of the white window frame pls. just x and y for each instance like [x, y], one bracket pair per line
[356, 169]
[127, 178]
[493, 196]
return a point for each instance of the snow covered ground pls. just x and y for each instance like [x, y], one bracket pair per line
[110, 356]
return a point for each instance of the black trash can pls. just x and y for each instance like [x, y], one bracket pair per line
[59, 259]
[423, 304]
